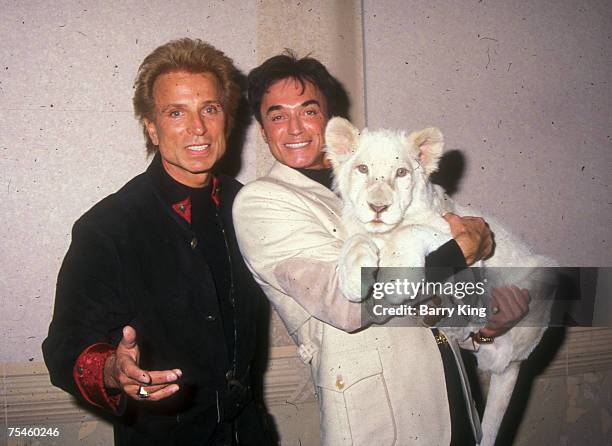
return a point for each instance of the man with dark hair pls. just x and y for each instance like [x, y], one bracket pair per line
[155, 312]
[303, 70]
[384, 385]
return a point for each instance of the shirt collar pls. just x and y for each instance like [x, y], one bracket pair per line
[177, 195]
[322, 176]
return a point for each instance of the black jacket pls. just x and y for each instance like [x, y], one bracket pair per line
[134, 261]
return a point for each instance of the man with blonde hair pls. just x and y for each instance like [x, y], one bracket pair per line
[155, 312]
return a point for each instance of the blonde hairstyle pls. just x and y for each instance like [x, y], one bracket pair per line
[193, 56]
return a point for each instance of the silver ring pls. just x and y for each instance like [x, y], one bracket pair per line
[142, 393]
[495, 310]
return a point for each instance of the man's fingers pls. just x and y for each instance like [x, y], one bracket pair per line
[161, 384]
[164, 376]
[505, 302]
[451, 218]
[131, 372]
[157, 393]
[517, 300]
[473, 236]
[511, 304]
[152, 393]
[522, 295]
[490, 331]
[128, 356]
[475, 222]
[132, 375]
[128, 341]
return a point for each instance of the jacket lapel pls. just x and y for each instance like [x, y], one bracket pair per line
[293, 179]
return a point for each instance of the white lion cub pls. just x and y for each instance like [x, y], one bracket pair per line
[393, 216]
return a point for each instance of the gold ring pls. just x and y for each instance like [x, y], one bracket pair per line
[480, 339]
[142, 393]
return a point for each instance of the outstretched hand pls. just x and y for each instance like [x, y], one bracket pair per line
[121, 371]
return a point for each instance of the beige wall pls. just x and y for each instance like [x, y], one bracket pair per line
[521, 89]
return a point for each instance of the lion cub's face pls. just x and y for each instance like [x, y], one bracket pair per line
[379, 172]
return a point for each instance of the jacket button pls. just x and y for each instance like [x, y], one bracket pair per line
[194, 243]
[210, 318]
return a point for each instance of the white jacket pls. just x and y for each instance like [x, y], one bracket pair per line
[379, 385]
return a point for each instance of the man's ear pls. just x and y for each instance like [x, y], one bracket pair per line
[426, 145]
[263, 133]
[341, 140]
[152, 131]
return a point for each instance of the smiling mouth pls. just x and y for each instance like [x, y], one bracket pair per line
[297, 145]
[199, 148]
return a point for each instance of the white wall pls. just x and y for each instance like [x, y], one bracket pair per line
[523, 89]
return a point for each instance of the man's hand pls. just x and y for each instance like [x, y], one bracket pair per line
[509, 305]
[473, 236]
[121, 371]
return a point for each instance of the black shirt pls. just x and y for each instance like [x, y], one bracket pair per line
[206, 224]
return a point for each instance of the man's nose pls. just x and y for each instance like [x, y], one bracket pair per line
[197, 125]
[295, 125]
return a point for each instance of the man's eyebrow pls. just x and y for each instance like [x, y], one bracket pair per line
[273, 108]
[169, 106]
[180, 105]
[303, 104]
[310, 102]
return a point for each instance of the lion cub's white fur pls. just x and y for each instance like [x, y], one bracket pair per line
[393, 216]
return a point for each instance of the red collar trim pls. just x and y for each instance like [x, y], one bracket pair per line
[216, 191]
[183, 208]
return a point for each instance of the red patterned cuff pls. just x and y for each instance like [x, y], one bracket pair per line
[88, 374]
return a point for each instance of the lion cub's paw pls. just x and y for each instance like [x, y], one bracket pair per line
[358, 251]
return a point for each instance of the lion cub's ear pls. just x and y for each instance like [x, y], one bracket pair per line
[427, 145]
[341, 139]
